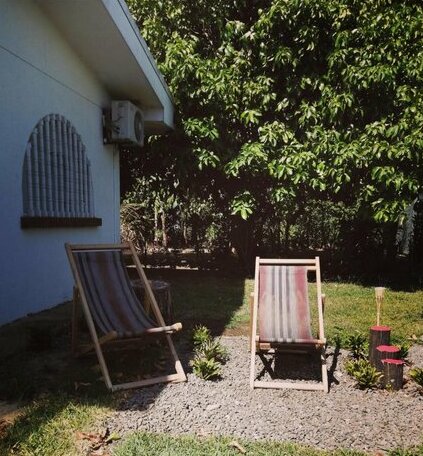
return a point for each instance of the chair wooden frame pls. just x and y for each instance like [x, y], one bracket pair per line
[256, 345]
[97, 342]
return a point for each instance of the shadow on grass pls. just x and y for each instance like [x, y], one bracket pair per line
[57, 394]
[65, 394]
[36, 358]
[36, 364]
[210, 298]
[367, 268]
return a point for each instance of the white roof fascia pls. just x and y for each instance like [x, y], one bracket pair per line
[106, 38]
[139, 49]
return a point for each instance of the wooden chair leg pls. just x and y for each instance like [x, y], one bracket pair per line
[181, 376]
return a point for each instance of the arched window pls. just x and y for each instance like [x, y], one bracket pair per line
[57, 185]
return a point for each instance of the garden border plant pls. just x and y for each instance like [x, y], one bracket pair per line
[358, 365]
[209, 354]
[417, 375]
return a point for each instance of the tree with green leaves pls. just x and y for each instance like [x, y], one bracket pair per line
[288, 101]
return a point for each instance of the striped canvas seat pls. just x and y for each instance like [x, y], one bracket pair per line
[281, 320]
[111, 307]
[110, 296]
[284, 313]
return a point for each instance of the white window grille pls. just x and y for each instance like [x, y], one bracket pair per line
[56, 174]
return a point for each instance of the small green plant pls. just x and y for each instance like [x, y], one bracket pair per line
[339, 338]
[350, 366]
[404, 348]
[213, 349]
[364, 373]
[207, 369]
[357, 343]
[417, 375]
[406, 451]
[403, 344]
[389, 387]
[209, 354]
[201, 335]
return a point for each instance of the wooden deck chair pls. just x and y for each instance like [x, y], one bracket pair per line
[281, 314]
[111, 306]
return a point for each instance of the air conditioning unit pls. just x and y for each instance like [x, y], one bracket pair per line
[127, 123]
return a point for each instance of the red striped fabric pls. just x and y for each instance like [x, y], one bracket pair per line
[284, 313]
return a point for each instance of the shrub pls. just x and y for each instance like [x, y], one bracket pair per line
[357, 343]
[403, 344]
[207, 369]
[404, 348]
[201, 335]
[214, 349]
[365, 374]
[340, 337]
[417, 375]
[209, 354]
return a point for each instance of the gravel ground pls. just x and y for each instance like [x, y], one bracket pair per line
[345, 418]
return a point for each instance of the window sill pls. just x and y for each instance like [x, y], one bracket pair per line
[59, 222]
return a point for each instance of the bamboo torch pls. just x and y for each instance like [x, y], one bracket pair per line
[379, 292]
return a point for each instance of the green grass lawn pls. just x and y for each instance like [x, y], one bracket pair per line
[142, 443]
[47, 426]
[223, 303]
[352, 308]
[56, 409]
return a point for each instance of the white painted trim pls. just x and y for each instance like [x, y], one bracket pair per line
[142, 42]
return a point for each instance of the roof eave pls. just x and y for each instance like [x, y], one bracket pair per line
[106, 38]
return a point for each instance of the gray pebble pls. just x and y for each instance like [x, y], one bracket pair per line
[345, 418]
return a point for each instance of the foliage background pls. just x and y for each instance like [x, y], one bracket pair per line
[298, 126]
